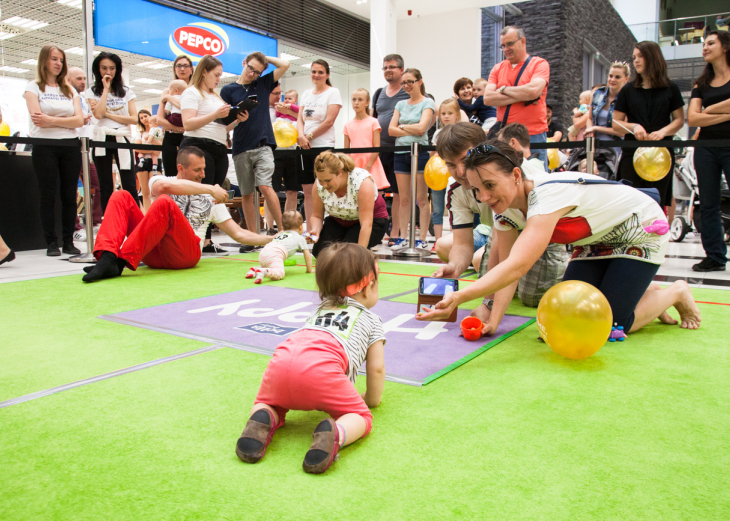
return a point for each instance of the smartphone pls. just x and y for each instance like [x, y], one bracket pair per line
[437, 287]
[231, 194]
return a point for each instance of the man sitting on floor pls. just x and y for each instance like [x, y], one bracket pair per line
[170, 235]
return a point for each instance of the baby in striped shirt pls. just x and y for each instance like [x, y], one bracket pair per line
[316, 367]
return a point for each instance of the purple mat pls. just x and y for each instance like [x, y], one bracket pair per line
[259, 319]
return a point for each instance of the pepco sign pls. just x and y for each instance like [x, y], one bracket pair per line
[149, 29]
[199, 39]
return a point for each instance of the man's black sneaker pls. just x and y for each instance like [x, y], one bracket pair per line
[216, 250]
[708, 264]
[53, 250]
[70, 249]
[246, 248]
[271, 231]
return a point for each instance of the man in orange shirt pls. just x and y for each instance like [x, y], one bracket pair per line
[525, 102]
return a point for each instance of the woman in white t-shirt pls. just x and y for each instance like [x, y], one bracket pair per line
[619, 233]
[318, 110]
[114, 108]
[55, 113]
[201, 106]
[148, 161]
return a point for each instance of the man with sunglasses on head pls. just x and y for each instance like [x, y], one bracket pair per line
[454, 144]
[518, 88]
[253, 140]
[384, 101]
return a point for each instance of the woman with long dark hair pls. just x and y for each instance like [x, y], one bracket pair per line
[55, 113]
[318, 110]
[651, 108]
[148, 160]
[182, 69]
[114, 108]
[709, 109]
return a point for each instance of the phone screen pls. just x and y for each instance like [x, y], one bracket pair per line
[433, 286]
[231, 194]
[253, 97]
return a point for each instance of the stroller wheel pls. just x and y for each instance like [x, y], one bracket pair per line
[679, 229]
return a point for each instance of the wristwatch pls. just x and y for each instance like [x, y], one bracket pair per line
[401, 126]
[489, 302]
[310, 136]
[501, 89]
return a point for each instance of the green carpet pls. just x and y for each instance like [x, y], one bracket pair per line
[638, 431]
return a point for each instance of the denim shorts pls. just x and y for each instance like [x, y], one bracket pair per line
[402, 162]
[479, 239]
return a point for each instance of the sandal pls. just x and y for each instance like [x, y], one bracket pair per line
[260, 428]
[392, 241]
[324, 449]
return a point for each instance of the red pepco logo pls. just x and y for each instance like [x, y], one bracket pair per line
[199, 41]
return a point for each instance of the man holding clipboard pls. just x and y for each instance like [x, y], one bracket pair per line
[253, 140]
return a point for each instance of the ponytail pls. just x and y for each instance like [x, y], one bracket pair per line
[416, 74]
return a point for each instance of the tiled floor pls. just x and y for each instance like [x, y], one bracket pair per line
[677, 265]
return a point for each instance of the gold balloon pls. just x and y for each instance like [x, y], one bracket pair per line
[574, 319]
[553, 158]
[652, 164]
[285, 134]
[4, 129]
[436, 174]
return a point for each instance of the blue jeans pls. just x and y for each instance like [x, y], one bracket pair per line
[542, 154]
[438, 201]
[479, 240]
[710, 164]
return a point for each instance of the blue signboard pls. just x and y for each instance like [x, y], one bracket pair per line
[154, 30]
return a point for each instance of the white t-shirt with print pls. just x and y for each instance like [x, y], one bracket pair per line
[314, 111]
[114, 105]
[200, 210]
[290, 240]
[607, 220]
[204, 104]
[462, 204]
[354, 326]
[346, 207]
[53, 103]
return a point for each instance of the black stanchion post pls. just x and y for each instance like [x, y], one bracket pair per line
[412, 251]
[590, 152]
[88, 221]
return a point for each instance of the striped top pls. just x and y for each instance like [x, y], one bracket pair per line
[353, 325]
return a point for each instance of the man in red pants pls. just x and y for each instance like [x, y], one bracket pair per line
[171, 234]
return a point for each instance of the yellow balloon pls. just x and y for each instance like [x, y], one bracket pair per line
[285, 134]
[3, 147]
[652, 164]
[436, 174]
[4, 129]
[574, 319]
[553, 158]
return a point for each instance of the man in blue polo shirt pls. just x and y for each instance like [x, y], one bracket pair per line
[253, 140]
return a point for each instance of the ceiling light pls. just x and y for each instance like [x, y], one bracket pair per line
[5, 36]
[306, 65]
[70, 3]
[160, 65]
[227, 75]
[75, 50]
[289, 57]
[32, 61]
[361, 2]
[146, 64]
[146, 80]
[13, 69]
[154, 91]
[25, 23]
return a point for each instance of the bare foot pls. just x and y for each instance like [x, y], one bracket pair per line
[689, 313]
[482, 313]
[664, 318]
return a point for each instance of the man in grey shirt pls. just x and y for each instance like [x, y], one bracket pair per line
[384, 102]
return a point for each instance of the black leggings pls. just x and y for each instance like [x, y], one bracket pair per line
[622, 281]
[216, 163]
[170, 144]
[57, 168]
[332, 231]
[106, 175]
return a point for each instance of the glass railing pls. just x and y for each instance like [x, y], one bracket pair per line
[681, 31]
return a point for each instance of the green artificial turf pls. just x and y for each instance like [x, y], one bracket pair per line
[638, 431]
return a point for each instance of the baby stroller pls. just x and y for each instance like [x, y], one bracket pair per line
[606, 159]
[687, 216]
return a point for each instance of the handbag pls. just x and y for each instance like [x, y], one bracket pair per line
[501, 124]
[651, 192]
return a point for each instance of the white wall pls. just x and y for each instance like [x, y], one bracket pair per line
[444, 47]
[345, 84]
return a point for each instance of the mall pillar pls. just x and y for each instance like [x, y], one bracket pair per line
[382, 38]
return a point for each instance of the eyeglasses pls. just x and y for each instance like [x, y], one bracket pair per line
[253, 71]
[485, 149]
[182, 66]
[509, 44]
[391, 68]
[407, 82]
